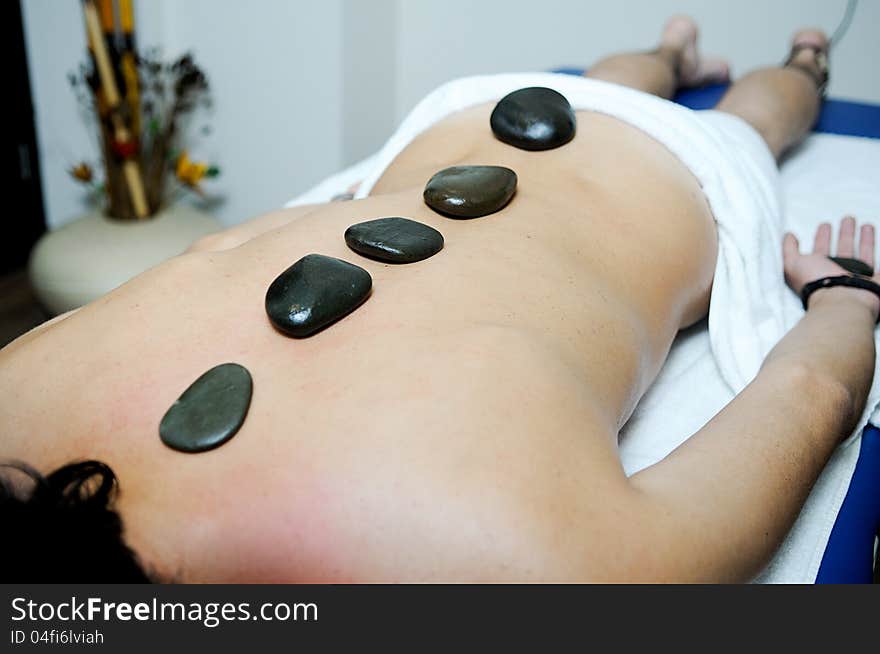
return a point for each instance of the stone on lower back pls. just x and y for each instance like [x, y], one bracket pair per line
[315, 292]
[470, 191]
[534, 118]
[394, 239]
[210, 411]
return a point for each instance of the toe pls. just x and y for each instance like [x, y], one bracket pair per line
[810, 37]
[679, 32]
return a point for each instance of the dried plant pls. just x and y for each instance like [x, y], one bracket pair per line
[166, 94]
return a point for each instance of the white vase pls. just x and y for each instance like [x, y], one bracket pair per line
[90, 256]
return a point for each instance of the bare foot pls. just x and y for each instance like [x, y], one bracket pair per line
[679, 38]
[809, 53]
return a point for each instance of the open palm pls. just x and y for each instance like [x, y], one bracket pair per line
[800, 269]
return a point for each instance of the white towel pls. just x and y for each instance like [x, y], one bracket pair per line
[751, 308]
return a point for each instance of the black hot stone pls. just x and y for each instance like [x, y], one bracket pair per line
[855, 266]
[397, 240]
[535, 118]
[210, 411]
[470, 191]
[315, 292]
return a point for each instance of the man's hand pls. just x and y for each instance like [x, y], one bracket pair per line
[800, 269]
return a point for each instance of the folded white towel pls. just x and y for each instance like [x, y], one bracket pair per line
[751, 307]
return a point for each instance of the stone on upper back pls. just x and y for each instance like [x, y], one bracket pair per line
[314, 292]
[210, 411]
[394, 239]
[470, 191]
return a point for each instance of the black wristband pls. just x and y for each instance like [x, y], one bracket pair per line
[842, 280]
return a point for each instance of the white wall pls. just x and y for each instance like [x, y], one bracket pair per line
[274, 68]
[442, 40]
[369, 75]
[304, 87]
[56, 44]
[275, 72]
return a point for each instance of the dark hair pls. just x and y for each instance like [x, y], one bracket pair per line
[65, 529]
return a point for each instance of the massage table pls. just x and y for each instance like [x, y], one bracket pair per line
[845, 132]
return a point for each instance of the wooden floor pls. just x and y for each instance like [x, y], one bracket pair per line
[19, 309]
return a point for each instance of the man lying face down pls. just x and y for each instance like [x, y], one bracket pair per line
[427, 384]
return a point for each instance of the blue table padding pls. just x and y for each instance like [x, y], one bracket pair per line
[837, 116]
[849, 554]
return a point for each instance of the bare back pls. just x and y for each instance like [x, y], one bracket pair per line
[440, 430]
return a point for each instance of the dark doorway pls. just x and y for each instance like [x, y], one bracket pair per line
[21, 220]
[24, 221]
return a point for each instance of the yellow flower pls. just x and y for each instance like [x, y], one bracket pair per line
[190, 172]
[82, 172]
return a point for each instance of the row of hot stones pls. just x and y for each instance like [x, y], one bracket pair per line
[318, 290]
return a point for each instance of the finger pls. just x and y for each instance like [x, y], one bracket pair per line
[866, 244]
[822, 243]
[846, 237]
[790, 247]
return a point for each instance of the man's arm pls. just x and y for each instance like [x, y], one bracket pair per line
[718, 506]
